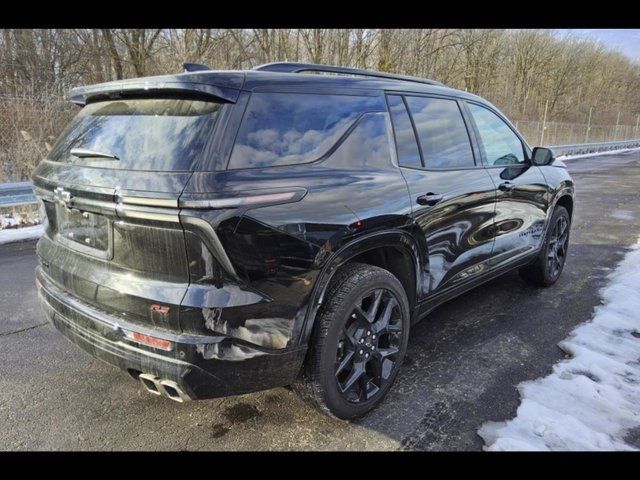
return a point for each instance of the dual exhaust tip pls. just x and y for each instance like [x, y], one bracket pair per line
[167, 388]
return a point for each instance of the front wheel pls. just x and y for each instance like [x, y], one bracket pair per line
[359, 344]
[547, 267]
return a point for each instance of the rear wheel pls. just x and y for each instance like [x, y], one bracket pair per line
[359, 343]
[546, 269]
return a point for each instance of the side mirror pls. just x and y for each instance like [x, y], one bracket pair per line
[542, 156]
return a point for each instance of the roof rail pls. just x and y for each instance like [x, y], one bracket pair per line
[295, 67]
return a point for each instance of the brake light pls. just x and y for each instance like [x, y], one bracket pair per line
[274, 197]
[246, 200]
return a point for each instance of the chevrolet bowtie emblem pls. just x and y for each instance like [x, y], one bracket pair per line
[61, 196]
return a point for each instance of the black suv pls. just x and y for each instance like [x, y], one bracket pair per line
[220, 232]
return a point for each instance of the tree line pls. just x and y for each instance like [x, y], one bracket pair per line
[521, 71]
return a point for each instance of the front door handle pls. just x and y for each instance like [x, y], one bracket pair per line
[506, 186]
[429, 199]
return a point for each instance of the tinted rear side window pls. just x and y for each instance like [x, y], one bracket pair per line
[145, 134]
[442, 132]
[292, 128]
[406, 145]
[367, 146]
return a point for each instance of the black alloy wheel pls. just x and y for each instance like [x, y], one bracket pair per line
[359, 342]
[557, 249]
[369, 345]
[548, 264]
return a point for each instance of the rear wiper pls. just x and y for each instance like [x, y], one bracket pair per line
[84, 153]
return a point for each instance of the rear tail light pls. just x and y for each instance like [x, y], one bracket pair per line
[246, 200]
[273, 197]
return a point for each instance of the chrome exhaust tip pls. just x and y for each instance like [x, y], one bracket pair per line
[150, 383]
[173, 391]
[166, 388]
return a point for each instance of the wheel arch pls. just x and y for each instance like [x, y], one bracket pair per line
[395, 251]
[565, 200]
[563, 197]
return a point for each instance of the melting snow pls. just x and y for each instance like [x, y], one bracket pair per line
[592, 400]
[606, 152]
[17, 234]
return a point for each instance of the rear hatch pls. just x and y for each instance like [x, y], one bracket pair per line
[110, 189]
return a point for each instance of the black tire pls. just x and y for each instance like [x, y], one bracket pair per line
[547, 267]
[341, 327]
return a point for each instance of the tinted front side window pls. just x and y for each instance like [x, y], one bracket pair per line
[500, 145]
[406, 145]
[292, 128]
[441, 131]
[145, 134]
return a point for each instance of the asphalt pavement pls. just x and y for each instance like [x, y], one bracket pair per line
[463, 364]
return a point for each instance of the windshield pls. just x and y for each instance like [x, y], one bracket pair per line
[165, 134]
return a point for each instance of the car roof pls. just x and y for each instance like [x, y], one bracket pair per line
[259, 80]
[226, 84]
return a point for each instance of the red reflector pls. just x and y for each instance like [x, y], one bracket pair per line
[355, 225]
[152, 341]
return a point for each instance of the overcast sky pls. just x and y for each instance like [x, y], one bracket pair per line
[625, 40]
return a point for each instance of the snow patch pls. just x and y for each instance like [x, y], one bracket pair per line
[592, 400]
[18, 234]
[595, 154]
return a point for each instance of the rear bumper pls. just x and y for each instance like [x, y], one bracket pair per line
[202, 366]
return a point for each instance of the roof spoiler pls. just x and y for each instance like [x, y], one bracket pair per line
[195, 67]
[219, 86]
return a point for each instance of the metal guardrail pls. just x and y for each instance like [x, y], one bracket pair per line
[585, 148]
[21, 193]
[15, 194]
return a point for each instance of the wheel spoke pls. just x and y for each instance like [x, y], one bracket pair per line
[383, 322]
[384, 363]
[369, 389]
[356, 372]
[360, 312]
[346, 360]
[563, 226]
[375, 305]
[349, 333]
[562, 242]
[552, 262]
[383, 353]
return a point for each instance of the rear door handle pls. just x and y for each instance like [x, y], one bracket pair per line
[506, 186]
[429, 199]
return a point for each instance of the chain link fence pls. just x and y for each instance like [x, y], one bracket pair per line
[559, 133]
[29, 127]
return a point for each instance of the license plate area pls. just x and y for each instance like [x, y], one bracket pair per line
[86, 232]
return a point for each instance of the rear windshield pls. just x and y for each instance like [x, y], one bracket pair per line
[166, 134]
[292, 128]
